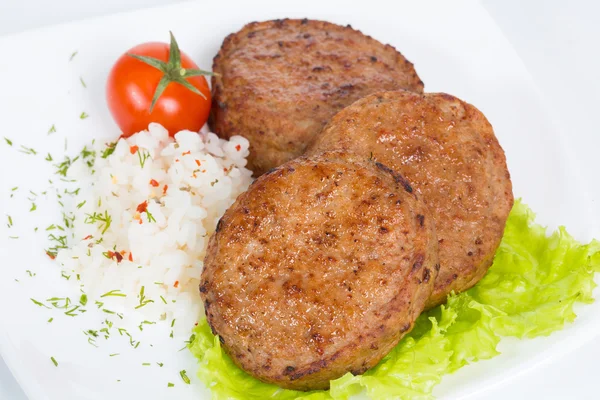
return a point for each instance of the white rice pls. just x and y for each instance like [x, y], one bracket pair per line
[188, 183]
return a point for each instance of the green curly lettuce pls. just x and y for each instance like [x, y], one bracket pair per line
[529, 291]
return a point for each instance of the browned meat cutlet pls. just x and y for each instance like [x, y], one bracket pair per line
[319, 269]
[447, 149]
[281, 81]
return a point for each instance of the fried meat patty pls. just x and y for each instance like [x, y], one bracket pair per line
[279, 82]
[447, 150]
[319, 269]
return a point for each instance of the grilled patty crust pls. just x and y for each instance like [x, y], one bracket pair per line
[319, 269]
[279, 82]
[447, 149]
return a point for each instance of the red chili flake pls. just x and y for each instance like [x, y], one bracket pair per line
[130, 256]
[186, 153]
[110, 254]
[118, 256]
[238, 147]
[197, 162]
[87, 237]
[133, 149]
[225, 169]
[196, 324]
[165, 189]
[176, 284]
[177, 160]
[153, 183]
[52, 256]
[142, 207]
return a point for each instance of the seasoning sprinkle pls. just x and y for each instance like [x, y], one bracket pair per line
[54, 361]
[184, 376]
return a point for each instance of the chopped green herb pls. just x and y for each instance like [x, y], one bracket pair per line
[33, 207]
[82, 82]
[113, 354]
[184, 376]
[73, 55]
[51, 319]
[10, 221]
[83, 115]
[8, 141]
[63, 167]
[52, 129]
[110, 148]
[49, 157]
[83, 299]
[150, 216]
[143, 300]
[115, 293]
[54, 361]
[146, 364]
[145, 323]
[170, 384]
[143, 157]
[14, 189]
[31, 274]
[96, 217]
[81, 204]
[173, 323]
[160, 364]
[39, 304]
[13, 237]
[70, 312]
[162, 298]
[27, 150]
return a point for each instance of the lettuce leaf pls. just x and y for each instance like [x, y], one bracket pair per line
[529, 291]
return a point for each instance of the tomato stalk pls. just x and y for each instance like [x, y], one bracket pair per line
[172, 70]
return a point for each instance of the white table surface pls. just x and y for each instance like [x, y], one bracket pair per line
[558, 42]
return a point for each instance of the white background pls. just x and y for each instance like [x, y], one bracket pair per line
[557, 40]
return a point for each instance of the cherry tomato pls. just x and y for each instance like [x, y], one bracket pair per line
[132, 86]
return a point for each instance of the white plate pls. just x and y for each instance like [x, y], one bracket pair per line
[456, 48]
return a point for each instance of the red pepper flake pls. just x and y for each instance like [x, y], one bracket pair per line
[176, 284]
[153, 183]
[197, 162]
[118, 256]
[165, 189]
[142, 207]
[131, 256]
[177, 160]
[238, 147]
[133, 149]
[110, 254]
[186, 153]
[52, 256]
[87, 237]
